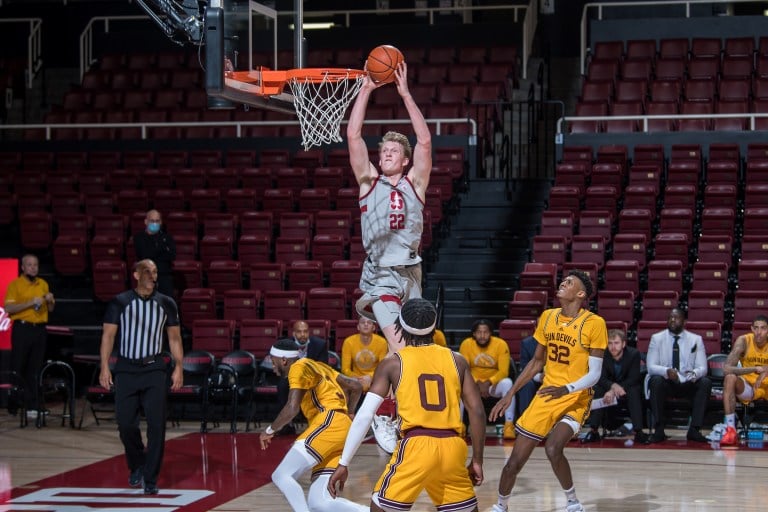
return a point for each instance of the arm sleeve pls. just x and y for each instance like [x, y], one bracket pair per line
[590, 378]
[360, 426]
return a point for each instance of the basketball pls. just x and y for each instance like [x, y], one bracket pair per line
[382, 63]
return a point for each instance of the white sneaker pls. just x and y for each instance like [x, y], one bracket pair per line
[31, 413]
[574, 506]
[717, 432]
[385, 432]
[497, 508]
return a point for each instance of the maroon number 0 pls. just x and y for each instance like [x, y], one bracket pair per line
[440, 383]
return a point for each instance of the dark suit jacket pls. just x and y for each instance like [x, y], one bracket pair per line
[317, 349]
[630, 370]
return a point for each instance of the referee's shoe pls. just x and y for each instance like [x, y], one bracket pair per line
[137, 478]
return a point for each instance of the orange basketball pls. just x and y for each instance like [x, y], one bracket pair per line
[382, 63]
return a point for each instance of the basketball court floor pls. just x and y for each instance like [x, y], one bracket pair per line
[59, 469]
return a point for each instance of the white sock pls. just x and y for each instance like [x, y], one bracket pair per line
[570, 494]
[504, 501]
[730, 420]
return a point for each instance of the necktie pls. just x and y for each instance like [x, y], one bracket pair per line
[676, 353]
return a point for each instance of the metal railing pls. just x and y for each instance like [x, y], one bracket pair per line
[86, 38]
[34, 46]
[439, 123]
[528, 14]
[750, 117]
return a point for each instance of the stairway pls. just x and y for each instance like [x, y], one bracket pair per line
[486, 248]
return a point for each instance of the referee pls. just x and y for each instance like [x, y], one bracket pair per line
[140, 315]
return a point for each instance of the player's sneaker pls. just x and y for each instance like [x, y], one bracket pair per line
[730, 436]
[498, 508]
[385, 432]
[509, 430]
[574, 506]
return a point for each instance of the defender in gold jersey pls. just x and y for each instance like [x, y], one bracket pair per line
[571, 343]
[320, 392]
[745, 370]
[429, 382]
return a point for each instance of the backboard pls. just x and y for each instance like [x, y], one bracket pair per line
[240, 49]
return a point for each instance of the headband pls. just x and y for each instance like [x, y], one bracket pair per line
[413, 330]
[288, 354]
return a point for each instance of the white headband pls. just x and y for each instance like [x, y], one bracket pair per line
[288, 354]
[413, 330]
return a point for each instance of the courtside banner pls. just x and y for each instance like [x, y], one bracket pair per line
[9, 270]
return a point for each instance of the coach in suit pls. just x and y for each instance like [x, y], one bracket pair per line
[312, 347]
[620, 382]
[677, 366]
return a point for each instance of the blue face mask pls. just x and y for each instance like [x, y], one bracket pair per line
[153, 228]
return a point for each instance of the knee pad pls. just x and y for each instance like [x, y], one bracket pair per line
[575, 426]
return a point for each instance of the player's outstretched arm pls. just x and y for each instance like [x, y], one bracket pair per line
[473, 404]
[285, 416]
[421, 167]
[534, 366]
[352, 388]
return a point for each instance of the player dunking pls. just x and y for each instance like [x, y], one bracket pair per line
[392, 221]
[571, 344]
[391, 206]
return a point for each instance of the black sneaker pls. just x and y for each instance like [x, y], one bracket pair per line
[696, 436]
[136, 478]
[658, 437]
[642, 438]
[151, 489]
[592, 436]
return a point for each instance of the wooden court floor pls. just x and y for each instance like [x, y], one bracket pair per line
[59, 469]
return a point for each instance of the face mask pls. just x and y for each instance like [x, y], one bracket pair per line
[153, 228]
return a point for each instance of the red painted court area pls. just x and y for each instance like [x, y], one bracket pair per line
[199, 473]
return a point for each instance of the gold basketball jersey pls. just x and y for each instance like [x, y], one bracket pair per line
[753, 356]
[567, 342]
[429, 390]
[319, 379]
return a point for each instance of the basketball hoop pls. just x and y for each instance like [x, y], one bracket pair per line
[321, 97]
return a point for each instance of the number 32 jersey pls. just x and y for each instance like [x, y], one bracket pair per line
[392, 221]
[567, 342]
[429, 390]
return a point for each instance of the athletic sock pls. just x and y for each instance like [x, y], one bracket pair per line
[730, 420]
[504, 501]
[570, 494]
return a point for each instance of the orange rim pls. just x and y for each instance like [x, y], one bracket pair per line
[268, 82]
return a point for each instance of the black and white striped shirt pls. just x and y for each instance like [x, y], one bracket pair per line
[141, 322]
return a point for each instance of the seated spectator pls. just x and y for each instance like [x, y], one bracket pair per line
[488, 358]
[361, 353]
[312, 347]
[745, 372]
[620, 382]
[439, 338]
[527, 392]
[677, 366]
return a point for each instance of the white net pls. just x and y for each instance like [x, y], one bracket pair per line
[321, 104]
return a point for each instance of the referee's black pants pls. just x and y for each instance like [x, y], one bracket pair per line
[137, 388]
[27, 358]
